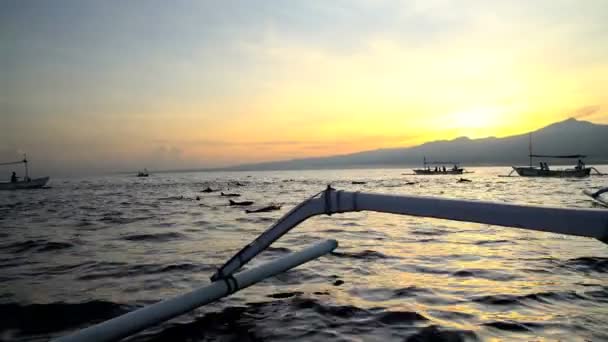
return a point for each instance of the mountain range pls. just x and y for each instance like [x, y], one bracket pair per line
[566, 137]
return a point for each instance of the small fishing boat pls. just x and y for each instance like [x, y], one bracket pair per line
[143, 173]
[26, 182]
[543, 170]
[439, 170]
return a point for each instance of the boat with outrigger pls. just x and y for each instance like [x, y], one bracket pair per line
[26, 182]
[592, 223]
[580, 170]
[543, 170]
[143, 173]
[439, 168]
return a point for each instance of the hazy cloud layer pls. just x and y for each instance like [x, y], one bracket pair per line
[101, 86]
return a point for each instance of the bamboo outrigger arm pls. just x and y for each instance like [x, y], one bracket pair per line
[580, 222]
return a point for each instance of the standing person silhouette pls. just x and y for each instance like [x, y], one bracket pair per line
[14, 177]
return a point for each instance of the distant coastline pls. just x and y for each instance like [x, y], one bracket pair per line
[566, 137]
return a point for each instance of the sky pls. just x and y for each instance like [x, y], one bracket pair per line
[101, 86]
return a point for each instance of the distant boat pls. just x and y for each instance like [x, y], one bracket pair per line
[143, 173]
[26, 182]
[439, 170]
[543, 170]
[35, 183]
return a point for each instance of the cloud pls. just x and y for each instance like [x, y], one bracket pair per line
[586, 111]
[378, 139]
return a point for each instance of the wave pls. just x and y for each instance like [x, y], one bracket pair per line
[585, 264]
[485, 274]
[513, 326]
[434, 333]
[122, 220]
[365, 255]
[283, 295]
[398, 317]
[37, 246]
[430, 232]
[55, 317]
[489, 242]
[160, 237]
[544, 297]
[119, 270]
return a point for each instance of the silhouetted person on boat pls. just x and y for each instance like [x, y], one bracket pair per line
[580, 165]
[14, 177]
[443, 168]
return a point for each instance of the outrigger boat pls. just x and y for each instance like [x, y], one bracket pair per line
[27, 182]
[227, 280]
[143, 173]
[580, 170]
[439, 170]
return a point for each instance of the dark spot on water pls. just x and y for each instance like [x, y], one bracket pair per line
[512, 326]
[161, 237]
[56, 316]
[409, 291]
[595, 264]
[37, 246]
[284, 294]
[333, 231]
[365, 255]
[463, 274]
[278, 249]
[433, 333]
[338, 282]
[231, 324]
[485, 274]
[399, 317]
[53, 246]
[120, 270]
[543, 297]
[488, 242]
[432, 232]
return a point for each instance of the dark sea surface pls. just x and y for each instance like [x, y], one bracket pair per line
[89, 249]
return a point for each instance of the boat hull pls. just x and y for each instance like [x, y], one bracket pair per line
[433, 172]
[526, 171]
[31, 184]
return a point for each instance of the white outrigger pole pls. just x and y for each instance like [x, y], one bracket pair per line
[135, 321]
[580, 222]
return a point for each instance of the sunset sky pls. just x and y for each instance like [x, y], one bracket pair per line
[118, 85]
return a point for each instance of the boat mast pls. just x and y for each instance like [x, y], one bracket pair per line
[530, 149]
[26, 172]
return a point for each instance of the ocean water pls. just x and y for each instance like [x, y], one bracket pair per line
[88, 249]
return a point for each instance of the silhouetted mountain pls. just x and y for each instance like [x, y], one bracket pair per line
[566, 137]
